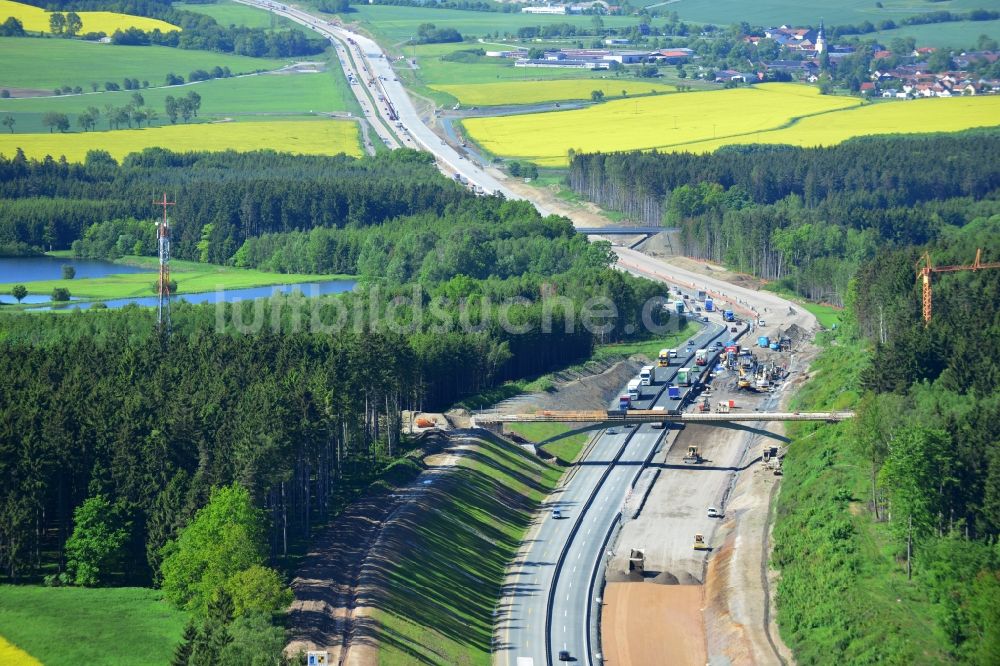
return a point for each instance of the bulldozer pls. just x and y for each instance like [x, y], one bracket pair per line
[699, 542]
[692, 457]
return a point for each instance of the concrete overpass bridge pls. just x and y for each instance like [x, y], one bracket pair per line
[624, 231]
[616, 417]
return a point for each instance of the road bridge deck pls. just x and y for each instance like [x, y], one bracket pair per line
[654, 416]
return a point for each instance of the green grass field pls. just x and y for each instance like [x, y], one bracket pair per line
[228, 13]
[523, 92]
[192, 277]
[443, 586]
[301, 137]
[777, 12]
[566, 449]
[112, 626]
[245, 97]
[43, 64]
[827, 315]
[399, 24]
[960, 35]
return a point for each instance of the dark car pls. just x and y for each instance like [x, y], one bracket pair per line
[564, 655]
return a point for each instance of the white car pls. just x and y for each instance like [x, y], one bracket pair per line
[761, 322]
[713, 512]
[557, 514]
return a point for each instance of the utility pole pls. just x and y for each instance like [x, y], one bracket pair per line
[163, 283]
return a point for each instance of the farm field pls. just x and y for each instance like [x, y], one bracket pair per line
[777, 12]
[192, 278]
[395, 25]
[228, 13]
[531, 92]
[43, 64]
[304, 137]
[960, 35]
[36, 19]
[72, 625]
[649, 122]
[703, 121]
[244, 97]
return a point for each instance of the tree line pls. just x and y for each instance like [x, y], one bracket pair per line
[804, 216]
[48, 204]
[924, 480]
[198, 31]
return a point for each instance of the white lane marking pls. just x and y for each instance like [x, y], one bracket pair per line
[567, 597]
[565, 613]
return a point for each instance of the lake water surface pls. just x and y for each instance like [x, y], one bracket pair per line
[29, 269]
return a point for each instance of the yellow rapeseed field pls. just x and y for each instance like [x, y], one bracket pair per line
[661, 122]
[12, 655]
[703, 121]
[535, 92]
[913, 117]
[36, 19]
[308, 137]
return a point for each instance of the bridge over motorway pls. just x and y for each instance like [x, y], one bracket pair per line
[624, 231]
[614, 417]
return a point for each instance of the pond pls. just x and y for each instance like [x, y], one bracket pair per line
[228, 295]
[33, 269]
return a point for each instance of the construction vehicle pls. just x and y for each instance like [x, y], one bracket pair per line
[699, 542]
[692, 457]
[744, 381]
[704, 406]
[663, 360]
[636, 561]
[770, 453]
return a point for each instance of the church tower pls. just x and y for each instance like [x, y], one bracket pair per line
[820, 39]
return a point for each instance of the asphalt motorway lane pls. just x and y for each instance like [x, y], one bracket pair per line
[545, 607]
[414, 133]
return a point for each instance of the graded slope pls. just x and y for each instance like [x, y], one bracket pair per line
[440, 562]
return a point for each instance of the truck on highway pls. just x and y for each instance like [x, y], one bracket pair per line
[701, 357]
[684, 377]
[674, 392]
[709, 305]
[728, 316]
[634, 389]
[624, 402]
[663, 360]
[679, 307]
[702, 295]
[646, 376]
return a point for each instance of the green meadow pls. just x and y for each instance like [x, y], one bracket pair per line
[74, 625]
[249, 97]
[228, 13]
[394, 25]
[43, 64]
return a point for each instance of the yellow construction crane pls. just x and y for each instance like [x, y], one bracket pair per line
[928, 268]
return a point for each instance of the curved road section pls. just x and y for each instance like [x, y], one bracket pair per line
[547, 607]
[365, 56]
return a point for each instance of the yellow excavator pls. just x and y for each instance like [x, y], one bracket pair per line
[699, 542]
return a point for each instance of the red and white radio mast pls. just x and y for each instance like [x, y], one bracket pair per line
[163, 284]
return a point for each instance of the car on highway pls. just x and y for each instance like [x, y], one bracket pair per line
[611, 431]
[713, 512]
[690, 343]
[733, 329]
[704, 320]
[564, 655]
[718, 343]
[557, 514]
